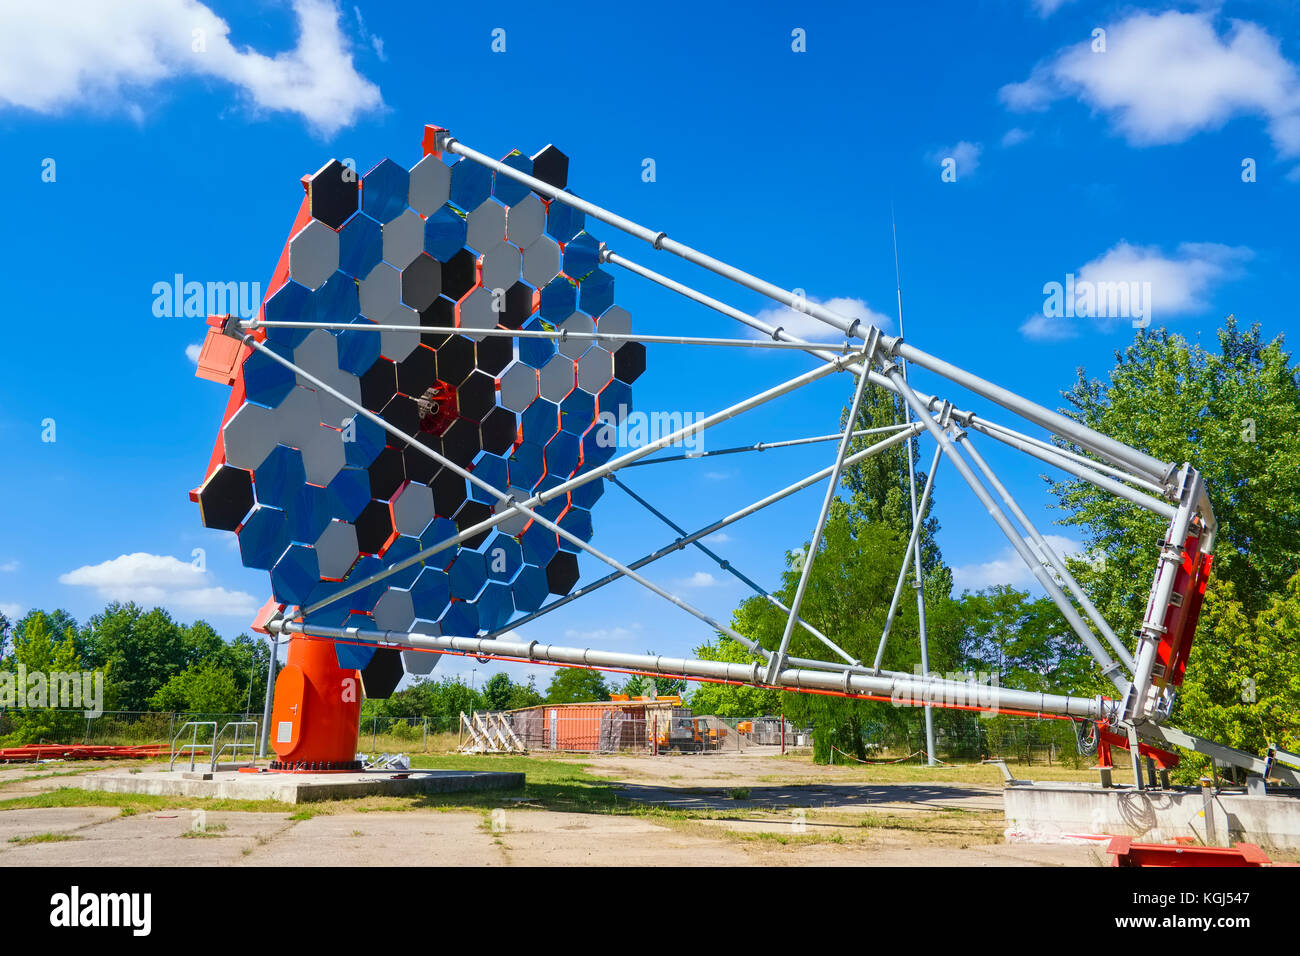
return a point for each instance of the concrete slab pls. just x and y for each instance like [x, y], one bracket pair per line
[167, 838]
[18, 825]
[1063, 813]
[300, 788]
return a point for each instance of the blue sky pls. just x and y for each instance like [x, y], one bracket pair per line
[1124, 162]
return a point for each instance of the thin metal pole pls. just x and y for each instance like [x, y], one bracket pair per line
[559, 335]
[727, 566]
[1112, 470]
[1046, 454]
[904, 687]
[1053, 421]
[764, 446]
[716, 526]
[1049, 554]
[448, 143]
[506, 500]
[832, 485]
[966, 417]
[274, 645]
[564, 487]
[916, 513]
[1109, 668]
[912, 543]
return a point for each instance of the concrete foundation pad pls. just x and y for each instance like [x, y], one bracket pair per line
[300, 787]
[1078, 813]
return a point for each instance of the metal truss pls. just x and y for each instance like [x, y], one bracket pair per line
[870, 357]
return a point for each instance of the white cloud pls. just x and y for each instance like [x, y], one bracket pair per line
[56, 57]
[1163, 78]
[158, 579]
[965, 155]
[718, 537]
[9, 567]
[1180, 283]
[599, 635]
[376, 42]
[1044, 328]
[804, 326]
[1045, 8]
[1014, 137]
[12, 611]
[1006, 567]
[700, 579]
[192, 352]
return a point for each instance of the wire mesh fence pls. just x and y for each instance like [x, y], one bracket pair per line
[961, 737]
[602, 727]
[111, 728]
[620, 727]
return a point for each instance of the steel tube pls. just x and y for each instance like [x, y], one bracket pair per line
[1018, 513]
[912, 543]
[832, 485]
[716, 526]
[1054, 422]
[660, 240]
[559, 335]
[574, 482]
[501, 496]
[902, 687]
[733, 571]
[1104, 482]
[764, 446]
[1108, 666]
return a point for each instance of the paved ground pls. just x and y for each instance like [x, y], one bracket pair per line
[765, 811]
[99, 836]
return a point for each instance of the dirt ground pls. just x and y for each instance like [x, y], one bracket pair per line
[710, 810]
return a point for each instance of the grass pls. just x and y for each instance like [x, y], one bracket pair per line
[44, 838]
[572, 783]
[40, 776]
[212, 830]
[133, 802]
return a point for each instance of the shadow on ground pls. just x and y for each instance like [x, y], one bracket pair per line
[814, 796]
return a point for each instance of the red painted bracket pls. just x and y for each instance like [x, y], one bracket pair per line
[1125, 852]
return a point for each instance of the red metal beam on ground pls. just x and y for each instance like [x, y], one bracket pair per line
[34, 752]
[1127, 853]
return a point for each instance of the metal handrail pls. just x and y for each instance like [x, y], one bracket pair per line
[194, 745]
[234, 746]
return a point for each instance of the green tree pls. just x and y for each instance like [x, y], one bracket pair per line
[1235, 415]
[732, 700]
[496, 691]
[571, 685]
[1025, 642]
[641, 685]
[41, 650]
[206, 688]
[1244, 690]
[141, 651]
[524, 695]
[847, 599]
[441, 702]
[878, 486]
